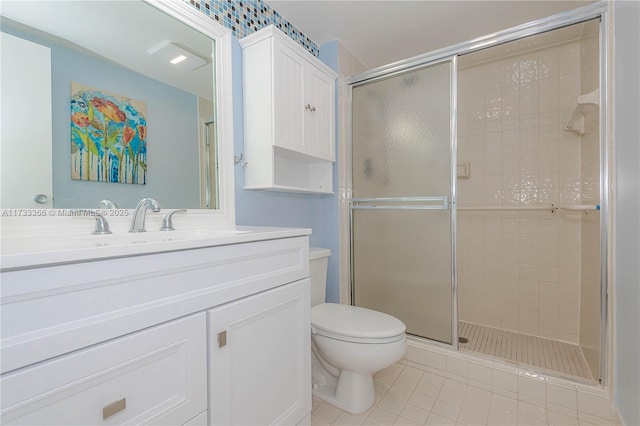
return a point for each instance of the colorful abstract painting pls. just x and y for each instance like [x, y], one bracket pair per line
[108, 137]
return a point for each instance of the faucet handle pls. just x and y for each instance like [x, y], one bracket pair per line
[107, 204]
[167, 222]
[102, 226]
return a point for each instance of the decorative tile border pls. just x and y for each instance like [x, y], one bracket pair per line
[248, 16]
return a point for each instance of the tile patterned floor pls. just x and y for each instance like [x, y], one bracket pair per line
[523, 349]
[410, 396]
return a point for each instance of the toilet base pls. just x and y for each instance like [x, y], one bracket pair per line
[351, 392]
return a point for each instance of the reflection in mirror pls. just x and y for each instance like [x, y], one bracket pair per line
[121, 51]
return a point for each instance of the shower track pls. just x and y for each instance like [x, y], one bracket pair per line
[547, 354]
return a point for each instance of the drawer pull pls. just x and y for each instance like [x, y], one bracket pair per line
[222, 339]
[113, 408]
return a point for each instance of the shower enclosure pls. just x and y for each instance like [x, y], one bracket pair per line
[478, 209]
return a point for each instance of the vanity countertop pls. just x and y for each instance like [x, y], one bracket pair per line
[22, 251]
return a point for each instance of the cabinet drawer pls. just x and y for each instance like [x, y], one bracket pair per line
[154, 376]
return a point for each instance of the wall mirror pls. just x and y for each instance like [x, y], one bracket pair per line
[124, 122]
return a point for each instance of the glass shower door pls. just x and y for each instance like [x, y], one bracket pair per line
[402, 257]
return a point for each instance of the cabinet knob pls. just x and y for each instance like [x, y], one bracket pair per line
[308, 107]
[222, 339]
[313, 109]
[113, 408]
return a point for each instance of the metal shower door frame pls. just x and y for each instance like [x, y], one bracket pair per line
[597, 10]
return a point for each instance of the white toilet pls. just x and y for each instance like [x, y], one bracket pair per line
[349, 344]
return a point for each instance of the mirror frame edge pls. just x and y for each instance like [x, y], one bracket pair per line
[180, 10]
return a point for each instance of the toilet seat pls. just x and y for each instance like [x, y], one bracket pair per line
[355, 324]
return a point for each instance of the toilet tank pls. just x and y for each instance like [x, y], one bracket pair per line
[318, 261]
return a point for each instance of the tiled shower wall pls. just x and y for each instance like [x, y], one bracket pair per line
[520, 270]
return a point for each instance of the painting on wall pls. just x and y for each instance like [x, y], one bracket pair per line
[108, 137]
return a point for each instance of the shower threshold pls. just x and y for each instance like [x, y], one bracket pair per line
[547, 354]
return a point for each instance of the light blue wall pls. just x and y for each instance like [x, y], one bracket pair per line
[627, 212]
[330, 206]
[172, 122]
[270, 208]
[173, 174]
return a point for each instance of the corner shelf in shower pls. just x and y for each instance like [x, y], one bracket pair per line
[585, 114]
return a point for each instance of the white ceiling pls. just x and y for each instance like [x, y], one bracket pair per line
[381, 32]
[377, 32]
[122, 32]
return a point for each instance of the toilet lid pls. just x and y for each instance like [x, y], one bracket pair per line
[352, 321]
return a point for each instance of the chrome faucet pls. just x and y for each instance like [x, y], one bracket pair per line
[139, 215]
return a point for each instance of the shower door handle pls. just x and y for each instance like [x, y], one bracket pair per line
[401, 203]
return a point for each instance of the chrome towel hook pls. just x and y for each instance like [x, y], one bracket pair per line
[239, 159]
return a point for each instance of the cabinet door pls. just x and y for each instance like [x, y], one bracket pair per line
[260, 358]
[319, 124]
[289, 101]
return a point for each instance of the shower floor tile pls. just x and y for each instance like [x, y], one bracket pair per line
[534, 351]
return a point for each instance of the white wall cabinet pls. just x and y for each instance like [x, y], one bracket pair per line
[135, 340]
[289, 115]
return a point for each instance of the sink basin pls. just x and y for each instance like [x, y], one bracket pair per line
[156, 236]
[53, 244]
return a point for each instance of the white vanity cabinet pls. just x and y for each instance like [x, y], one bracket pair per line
[135, 340]
[289, 115]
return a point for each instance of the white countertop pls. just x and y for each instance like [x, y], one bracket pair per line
[45, 246]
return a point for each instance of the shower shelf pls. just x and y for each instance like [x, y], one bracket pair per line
[585, 113]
